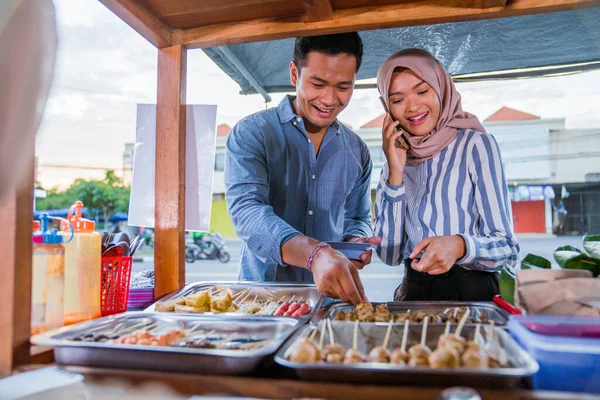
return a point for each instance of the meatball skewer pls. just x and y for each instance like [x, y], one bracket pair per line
[332, 353]
[399, 355]
[380, 354]
[419, 353]
[353, 355]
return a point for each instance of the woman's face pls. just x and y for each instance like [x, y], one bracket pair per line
[413, 102]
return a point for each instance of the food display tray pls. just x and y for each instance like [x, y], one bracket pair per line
[489, 310]
[170, 358]
[521, 364]
[262, 291]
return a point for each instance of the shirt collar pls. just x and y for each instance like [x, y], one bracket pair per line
[286, 114]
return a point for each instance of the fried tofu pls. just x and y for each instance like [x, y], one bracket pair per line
[187, 309]
[221, 303]
[199, 299]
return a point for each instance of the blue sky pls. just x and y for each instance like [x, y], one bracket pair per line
[104, 69]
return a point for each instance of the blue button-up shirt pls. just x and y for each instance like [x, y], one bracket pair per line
[277, 187]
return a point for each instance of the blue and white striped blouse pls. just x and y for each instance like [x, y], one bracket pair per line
[461, 191]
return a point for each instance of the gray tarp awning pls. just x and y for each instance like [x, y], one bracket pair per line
[568, 41]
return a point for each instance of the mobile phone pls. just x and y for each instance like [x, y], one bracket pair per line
[400, 139]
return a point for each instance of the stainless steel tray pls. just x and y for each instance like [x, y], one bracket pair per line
[488, 310]
[371, 335]
[262, 290]
[177, 359]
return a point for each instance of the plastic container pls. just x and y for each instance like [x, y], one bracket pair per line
[116, 274]
[48, 278]
[82, 268]
[566, 363]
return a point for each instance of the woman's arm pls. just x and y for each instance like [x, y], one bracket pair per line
[390, 212]
[496, 244]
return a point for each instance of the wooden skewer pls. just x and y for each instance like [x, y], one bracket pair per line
[476, 335]
[299, 300]
[135, 327]
[313, 334]
[462, 322]
[322, 334]
[281, 299]
[404, 336]
[116, 328]
[424, 333]
[205, 337]
[455, 312]
[355, 336]
[254, 301]
[239, 294]
[245, 297]
[292, 299]
[191, 334]
[387, 334]
[248, 346]
[192, 329]
[447, 330]
[226, 340]
[331, 340]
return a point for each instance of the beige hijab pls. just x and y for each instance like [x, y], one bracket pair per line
[452, 117]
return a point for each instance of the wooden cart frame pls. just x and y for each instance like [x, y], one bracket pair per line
[174, 26]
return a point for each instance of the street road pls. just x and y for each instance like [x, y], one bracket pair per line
[379, 280]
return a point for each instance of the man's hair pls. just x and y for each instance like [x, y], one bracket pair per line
[349, 43]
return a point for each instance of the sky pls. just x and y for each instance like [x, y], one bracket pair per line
[104, 69]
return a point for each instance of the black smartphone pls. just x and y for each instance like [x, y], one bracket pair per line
[400, 139]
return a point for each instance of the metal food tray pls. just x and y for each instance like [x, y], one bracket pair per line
[264, 291]
[370, 335]
[176, 359]
[489, 309]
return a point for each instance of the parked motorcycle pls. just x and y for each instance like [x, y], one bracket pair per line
[211, 246]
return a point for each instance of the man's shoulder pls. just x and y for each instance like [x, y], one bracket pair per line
[260, 118]
[353, 137]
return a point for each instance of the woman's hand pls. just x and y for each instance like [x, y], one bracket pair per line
[394, 152]
[441, 253]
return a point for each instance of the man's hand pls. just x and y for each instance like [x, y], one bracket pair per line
[365, 258]
[441, 253]
[335, 276]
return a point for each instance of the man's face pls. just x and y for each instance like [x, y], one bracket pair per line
[323, 87]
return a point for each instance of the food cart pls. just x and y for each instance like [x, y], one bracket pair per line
[174, 27]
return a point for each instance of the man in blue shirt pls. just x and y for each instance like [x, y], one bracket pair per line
[296, 178]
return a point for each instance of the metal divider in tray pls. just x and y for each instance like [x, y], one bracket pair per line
[234, 299]
[438, 312]
[517, 363]
[178, 343]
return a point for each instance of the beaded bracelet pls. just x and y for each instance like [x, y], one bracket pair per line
[314, 253]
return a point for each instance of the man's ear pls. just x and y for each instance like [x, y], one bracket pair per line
[294, 73]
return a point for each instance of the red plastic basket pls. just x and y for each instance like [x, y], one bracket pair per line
[116, 273]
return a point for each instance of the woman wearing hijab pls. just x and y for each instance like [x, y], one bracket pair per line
[442, 206]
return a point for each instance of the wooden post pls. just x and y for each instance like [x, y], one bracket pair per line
[16, 216]
[169, 212]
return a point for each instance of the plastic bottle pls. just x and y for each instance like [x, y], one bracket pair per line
[82, 268]
[48, 277]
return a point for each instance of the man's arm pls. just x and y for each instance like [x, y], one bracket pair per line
[247, 193]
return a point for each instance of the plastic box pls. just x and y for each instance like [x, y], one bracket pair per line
[567, 363]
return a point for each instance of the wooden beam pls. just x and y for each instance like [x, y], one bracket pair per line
[141, 20]
[366, 18]
[16, 216]
[490, 3]
[318, 10]
[169, 212]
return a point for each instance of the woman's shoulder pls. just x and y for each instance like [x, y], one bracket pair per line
[472, 137]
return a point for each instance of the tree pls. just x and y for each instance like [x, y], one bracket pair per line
[101, 197]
